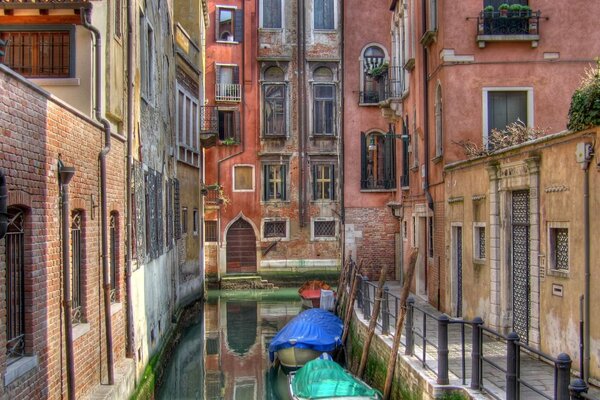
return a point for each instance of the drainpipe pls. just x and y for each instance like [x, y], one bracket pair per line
[342, 142]
[586, 238]
[3, 206]
[301, 43]
[130, 348]
[103, 200]
[66, 174]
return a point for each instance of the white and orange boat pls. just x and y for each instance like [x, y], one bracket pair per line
[317, 294]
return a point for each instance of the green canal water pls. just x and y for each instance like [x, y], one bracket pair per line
[223, 353]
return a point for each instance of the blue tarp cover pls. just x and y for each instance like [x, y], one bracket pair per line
[314, 329]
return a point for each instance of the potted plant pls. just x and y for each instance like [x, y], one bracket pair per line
[488, 10]
[229, 142]
[526, 11]
[515, 10]
[378, 71]
[503, 9]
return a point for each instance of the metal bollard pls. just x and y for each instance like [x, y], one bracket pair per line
[476, 354]
[512, 348]
[385, 311]
[410, 337]
[563, 368]
[577, 388]
[366, 298]
[442, 350]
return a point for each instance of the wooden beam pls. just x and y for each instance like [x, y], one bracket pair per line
[40, 20]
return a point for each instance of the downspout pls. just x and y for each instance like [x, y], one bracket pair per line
[3, 206]
[103, 198]
[586, 262]
[66, 174]
[301, 43]
[130, 347]
[342, 142]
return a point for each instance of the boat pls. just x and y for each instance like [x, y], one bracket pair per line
[324, 379]
[317, 294]
[305, 337]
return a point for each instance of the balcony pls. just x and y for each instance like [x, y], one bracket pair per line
[508, 26]
[44, 4]
[231, 92]
[209, 126]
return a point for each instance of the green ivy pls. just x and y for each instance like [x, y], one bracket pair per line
[584, 112]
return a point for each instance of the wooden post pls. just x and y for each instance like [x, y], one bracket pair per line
[372, 323]
[399, 323]
[350, 305]
[341, 290]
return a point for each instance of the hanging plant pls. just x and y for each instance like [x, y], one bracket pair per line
[378, 71]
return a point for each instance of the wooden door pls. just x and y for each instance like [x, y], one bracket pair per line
[241, 248]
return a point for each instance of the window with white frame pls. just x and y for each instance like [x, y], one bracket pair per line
[243, 178]
[228, 86]
[323, 102]
[439, 136]
[324, 14]
[229, 25]
[504, 106]
[187, 120]
[229, 125]
[323, 181]
[147, 53]
[274, 182]
[274, 103]
[271, 14]
[275, 229]
[324, 229]
[558, 247]
[373, 59]
[479, 241]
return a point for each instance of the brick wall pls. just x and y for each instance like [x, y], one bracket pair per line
[36, 132]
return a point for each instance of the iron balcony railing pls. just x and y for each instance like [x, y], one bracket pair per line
[209, 120]
[394, 83]
[228, 92]
[508, 23]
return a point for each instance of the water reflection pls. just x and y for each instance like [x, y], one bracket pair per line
[235, 332]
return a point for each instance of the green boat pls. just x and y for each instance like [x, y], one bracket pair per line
[326, 380]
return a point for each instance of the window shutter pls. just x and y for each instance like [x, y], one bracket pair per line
[236, 75]
[388, 162]
[315, 169]
[218, 73]
[332, 186]
[363, 161]
[236, 127]
[284, 182]
[238, 26]
[265, 182]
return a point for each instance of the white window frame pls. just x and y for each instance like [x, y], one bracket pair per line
[361, 68]
[552, 270]
[261, 25]
[147, 54]
[322, 238]
[485, 111]
[233, 169]
[217, 15]
[476, 227]
[335, 18]
[275, 239]
[188, 136]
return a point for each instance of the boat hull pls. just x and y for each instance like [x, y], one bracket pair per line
[293, 358]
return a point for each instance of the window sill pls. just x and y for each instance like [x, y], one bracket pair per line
[19, 368]
[479, 261]
[405, 188]
[271, 137]
[324, 239]
[226, 42]
[368, 104]
[274, 30]
[115, 308]
[414, 168]
[377, 190]
[79, 330]
[326, 136]
[558, 273]
[56, 81]
[276, 239]
[325, 30]
[437, 159]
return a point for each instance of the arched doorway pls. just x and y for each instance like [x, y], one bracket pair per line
[241, 248]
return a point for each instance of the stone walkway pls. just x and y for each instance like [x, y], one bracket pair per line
[533, 371]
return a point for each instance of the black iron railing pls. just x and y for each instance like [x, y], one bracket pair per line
[209, 120]
[509, 23]
[394, 86]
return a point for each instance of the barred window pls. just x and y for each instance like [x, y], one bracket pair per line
[324, 229]
[559, 248]
[77, 267]
[15, 285]
[114, 256]
[430, 237]
[184, 215]
[479, 242]
[275, 229]
[195, 221]
[212, 346]
[211, 233]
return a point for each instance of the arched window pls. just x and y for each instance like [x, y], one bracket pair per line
[374, 73]
[274, 103]
[15, 284]
[323, 102]
[378, 170]
[438, 122]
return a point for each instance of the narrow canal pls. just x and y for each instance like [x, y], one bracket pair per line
[223, 353]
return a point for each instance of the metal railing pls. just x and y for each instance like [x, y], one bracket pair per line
[228, 92]
[509, 23]
[442, 344]
[209, 120]
[394, 85]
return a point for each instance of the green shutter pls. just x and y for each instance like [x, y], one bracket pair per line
[363, 161]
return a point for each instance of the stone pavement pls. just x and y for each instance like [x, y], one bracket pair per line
[533, 371]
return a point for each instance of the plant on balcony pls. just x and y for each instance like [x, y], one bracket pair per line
[229, 142]
[488, 11]
[378, 71]
[515, 10]
[584, 111]
[526, 11]
[503, 9]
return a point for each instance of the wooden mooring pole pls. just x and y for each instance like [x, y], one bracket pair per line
[372, 323]
[399, 324]
[349, 305]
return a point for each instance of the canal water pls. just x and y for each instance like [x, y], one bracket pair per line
[223, 352]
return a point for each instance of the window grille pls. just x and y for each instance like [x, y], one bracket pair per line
[15, 285]
[76, 267]
[324, 228]
[114, 251]
[184, 220]
[212, 346]
[140, 211]
[560, 248]
[275, 229]
[430, 237]
[211, 233]
[176, 207]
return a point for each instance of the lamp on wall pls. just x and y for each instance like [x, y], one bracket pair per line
[372, 145]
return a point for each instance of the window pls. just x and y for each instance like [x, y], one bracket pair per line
[324, 229]
[118, 19]
[177, 217]
[275, 182]
[187, 127]
[373, 59]
[558, 247]
[271, 14]
[430, 237]
[154, 214]
[433, 15]
[15, 285]
[230, 25]
[323, 13]
[415, 143]
[146, 58]
[479, 241]
[275, 103]
[211, 233]
[275, 229]
[405, 230]
[229, 125]
[323, 182]
[378, 161]
[506, 106]
[47, 52]
[438, 122]
[228, 86]
[77, 288]
[195, 221]
[243, 178]
[324, 106]
[114, 256]
[184, 220]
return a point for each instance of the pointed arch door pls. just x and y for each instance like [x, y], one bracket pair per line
[241, 248]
